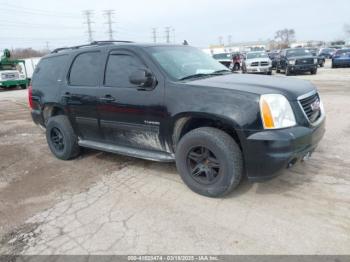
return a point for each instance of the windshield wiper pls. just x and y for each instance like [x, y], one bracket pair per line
[221, 71]
[215, 73]
[194, 76]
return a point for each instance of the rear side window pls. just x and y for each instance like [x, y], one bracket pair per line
[49, 71]
[119, 67]
[85, 69]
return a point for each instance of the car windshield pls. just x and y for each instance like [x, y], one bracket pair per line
[327, 50]
[256, 55]
[343, 51]
[298, 52]
[222, 56]
[181, 62]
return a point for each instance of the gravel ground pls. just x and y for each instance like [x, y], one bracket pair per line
[102, 203]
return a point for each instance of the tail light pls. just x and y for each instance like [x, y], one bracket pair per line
[30, 97]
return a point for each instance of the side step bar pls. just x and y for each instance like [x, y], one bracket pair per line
[133, 152]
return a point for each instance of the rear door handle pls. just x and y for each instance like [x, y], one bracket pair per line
[107, 98]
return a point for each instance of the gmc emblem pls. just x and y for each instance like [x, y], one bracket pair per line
[315, 106]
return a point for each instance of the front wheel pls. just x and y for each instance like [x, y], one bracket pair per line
[209, 161]
[61, 138]
[287, 72]
[313, 71]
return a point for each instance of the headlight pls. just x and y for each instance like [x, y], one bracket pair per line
[291, 62]
[276, 111]
[315, 60]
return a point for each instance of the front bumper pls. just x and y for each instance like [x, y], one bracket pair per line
[259, 69]
[302, 68]
[269, 152]
[11, 83]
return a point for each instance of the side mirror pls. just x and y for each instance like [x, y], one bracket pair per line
[142, 78]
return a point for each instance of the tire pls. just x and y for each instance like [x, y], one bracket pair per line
[61, 138]
[236, 67]
[269, 73]
[221, 148]
[23, 86]
[313, 71]
[333, 66]
[278, 70]
[287, 72]
[322, 64]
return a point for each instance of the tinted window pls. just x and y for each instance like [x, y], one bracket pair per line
[49, 71]
[85, 69]
[119, 67]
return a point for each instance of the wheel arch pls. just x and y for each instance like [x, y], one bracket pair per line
[50, 110]
[185, 122]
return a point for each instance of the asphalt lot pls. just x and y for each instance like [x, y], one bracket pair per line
[102, 203]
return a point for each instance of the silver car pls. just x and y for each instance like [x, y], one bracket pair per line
[257, 62]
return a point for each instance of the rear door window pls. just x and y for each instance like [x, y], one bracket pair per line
[85, 70]
[49, 71]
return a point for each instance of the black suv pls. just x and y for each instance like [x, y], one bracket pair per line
[295, 60]
[175, 103]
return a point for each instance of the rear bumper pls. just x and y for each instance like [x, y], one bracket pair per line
[302, 68]
[37, 117]
[267, 153]
[341, 62]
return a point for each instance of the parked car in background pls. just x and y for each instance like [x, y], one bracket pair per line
[321, 60]
[175, 103]
[224, 58]
[296, 60]
[341, 58]
[257, 62]
[273, 55]
[327, 52]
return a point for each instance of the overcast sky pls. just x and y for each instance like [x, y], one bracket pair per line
[30, 23]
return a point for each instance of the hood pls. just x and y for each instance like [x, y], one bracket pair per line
[300, 57]
[258, 84]
[261, 59]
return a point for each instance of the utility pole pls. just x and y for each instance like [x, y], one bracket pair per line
[47, 46]
[154, 35]
[173, 32]
[88, 14]
[109, 14]
[167, 34]
[229, 40]
[220, 40]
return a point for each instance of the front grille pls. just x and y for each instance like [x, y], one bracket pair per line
[254, 64]
[304, 61]
[311, 107]
[264, 63]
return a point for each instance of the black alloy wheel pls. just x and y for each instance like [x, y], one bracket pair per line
[203, 166]
[57, 139]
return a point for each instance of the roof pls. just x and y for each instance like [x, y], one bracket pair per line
[109, 43]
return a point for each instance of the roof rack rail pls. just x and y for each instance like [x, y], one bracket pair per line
[109, 41]
[94, 43]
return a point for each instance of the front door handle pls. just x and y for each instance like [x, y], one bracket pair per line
[107, 98]
[67, 95]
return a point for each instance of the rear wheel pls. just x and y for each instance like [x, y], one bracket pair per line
[322, 64]
[61, 138]
[313, 71]
[23, 86]
[209, 161]
[236, 67]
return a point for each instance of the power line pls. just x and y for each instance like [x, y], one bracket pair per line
[88, 14]
[109, 14]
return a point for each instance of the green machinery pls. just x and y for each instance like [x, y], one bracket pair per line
[12, 72]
